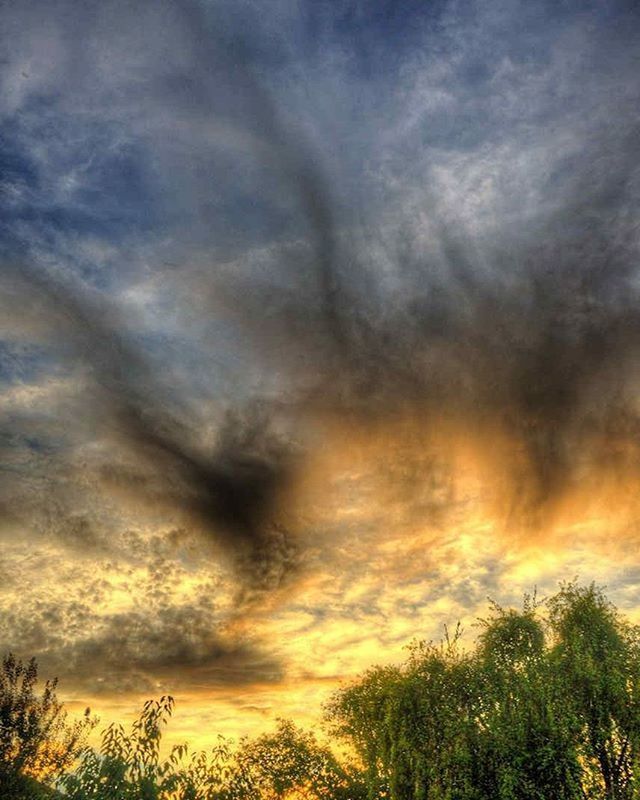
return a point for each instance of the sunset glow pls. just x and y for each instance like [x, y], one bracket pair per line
[318, 327]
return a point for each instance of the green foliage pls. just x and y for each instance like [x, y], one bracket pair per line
[36, 741]
[598, 656]
[542, 708]
[291, 762]
[129, 765]
[527, 746]
[287, 763]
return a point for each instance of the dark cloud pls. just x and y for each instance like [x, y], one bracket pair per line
[534, 334]
[514, 317]
[230, 493]
[135, 651]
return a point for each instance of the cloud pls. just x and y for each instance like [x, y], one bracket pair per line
[511, 315]
[229, 494]
[314, 292]
[515, 326]
[136, 626]
[139, 652]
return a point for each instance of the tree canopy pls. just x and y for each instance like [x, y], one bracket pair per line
[545, 706]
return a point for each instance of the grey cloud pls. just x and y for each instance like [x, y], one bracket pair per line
[230, 493]
[135, 650]
[501, 310]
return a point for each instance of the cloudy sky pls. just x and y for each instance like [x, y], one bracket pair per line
[319, 323]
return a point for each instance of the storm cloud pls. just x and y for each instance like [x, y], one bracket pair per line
[230, 241]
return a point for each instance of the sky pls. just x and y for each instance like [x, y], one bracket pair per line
[319, 325]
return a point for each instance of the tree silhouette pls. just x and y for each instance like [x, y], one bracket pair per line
[36, 741]
[292, 763]
[285, 764]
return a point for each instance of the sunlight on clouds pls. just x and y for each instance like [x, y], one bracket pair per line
[386, 574]
[305, 357]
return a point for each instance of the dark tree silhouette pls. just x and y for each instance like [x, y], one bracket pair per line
[37, 743]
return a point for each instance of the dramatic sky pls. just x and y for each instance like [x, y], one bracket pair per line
[319, 323]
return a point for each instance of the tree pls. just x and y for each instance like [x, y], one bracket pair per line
[286, 763]
[414, 726]
[356, 714]
[542, 708]
[292, 763]
[129, 767]
[37, 743]
[596, 656]
[527, 745]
